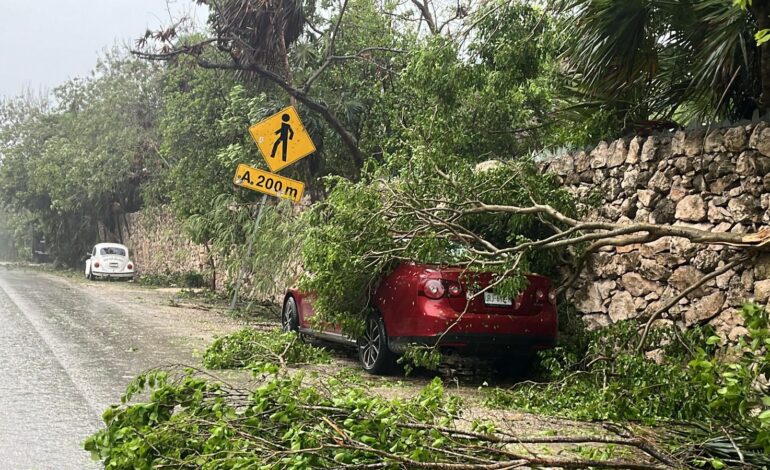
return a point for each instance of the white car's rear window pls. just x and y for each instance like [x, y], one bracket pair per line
[112, 251]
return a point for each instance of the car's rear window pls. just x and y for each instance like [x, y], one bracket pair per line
[110, 250]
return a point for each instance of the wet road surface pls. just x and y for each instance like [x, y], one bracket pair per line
[66, 354]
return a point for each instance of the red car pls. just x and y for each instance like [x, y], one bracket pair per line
[416, 304]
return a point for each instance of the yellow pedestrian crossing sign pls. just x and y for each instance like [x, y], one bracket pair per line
[282, 139]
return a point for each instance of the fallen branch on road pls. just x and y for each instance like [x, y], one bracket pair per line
[189, 422]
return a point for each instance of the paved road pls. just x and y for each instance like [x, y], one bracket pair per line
[66, 354]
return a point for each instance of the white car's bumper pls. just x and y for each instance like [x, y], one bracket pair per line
[111, 275]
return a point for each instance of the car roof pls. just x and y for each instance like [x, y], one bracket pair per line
[111, 245]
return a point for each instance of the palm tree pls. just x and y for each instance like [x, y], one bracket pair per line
[667, 59]
[257, 32]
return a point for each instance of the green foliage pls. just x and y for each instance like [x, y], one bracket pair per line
[187, 421]
[191, 279]
[420, 356]
[491, 98]
[342, 231]
[364, 229]
[250, 347]
[69, 167]
[642, 60]
[737, 386]
[229, 226]
[9, 238]
[609, 382]
[722, 386]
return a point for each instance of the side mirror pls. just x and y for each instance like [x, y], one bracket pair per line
[88, 255]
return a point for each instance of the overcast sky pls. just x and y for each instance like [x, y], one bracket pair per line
[45, 42]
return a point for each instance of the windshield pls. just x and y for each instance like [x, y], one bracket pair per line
[112, 250]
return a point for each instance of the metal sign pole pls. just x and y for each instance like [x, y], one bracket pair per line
[249, 251]
[295, 143]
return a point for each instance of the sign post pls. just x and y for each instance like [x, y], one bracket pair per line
[249, 251]
[282, 140]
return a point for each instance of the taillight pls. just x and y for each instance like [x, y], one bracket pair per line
[454, 289]
[130, 266]
[96, 264]
[438, 288]
[434, 289]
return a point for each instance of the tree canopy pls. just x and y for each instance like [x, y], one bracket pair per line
[383, 88]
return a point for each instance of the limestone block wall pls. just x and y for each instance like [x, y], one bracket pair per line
[718, 181]
[158, 244]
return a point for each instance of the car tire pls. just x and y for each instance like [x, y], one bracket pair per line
[373, 353]
[90, 275]
[290, 316]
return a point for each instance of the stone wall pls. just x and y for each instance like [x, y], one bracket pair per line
[159, 245]
[718, 181]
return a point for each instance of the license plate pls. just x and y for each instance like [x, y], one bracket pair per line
[496, 300]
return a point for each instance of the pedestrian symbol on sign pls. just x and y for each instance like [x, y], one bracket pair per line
[282, 130]
[285, 134]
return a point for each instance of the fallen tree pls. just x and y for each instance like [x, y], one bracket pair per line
[507, 218]
[192, 420]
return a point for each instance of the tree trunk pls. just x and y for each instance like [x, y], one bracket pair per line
[212, 266]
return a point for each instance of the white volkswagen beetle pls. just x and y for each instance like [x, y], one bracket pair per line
[109, 261]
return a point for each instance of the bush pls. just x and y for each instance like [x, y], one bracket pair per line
[189, 279]
[192, 279]
[610, 381]
[722, 387]
[250, 348]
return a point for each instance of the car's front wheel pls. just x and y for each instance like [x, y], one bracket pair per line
[373, 352]
[290, 316]
[90, 275]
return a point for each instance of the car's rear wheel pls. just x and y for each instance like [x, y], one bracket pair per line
[290, 315]
[373, 352]
[90, 275]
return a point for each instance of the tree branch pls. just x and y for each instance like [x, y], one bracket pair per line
[341, 58]
[330, 49]
[351, 143]
[426, 15]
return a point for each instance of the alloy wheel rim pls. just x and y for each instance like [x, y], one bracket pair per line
[287, 315]
[370, 347]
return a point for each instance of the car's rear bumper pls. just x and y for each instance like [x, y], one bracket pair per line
[477, 343]
[128, 275]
